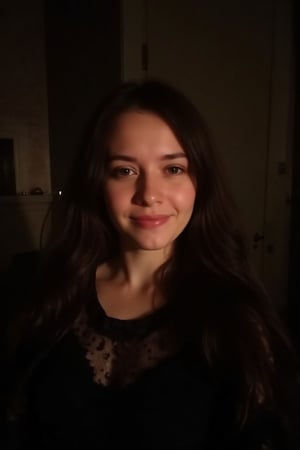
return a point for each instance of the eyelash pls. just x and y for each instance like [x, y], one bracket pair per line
[123, 172]
[179, 170]
[119, 172]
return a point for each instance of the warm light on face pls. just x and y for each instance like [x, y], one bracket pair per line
[150, 193]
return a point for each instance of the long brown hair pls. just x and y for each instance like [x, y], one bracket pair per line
[221, 305]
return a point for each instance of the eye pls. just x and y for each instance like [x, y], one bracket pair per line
[175, 170]
[122, 172]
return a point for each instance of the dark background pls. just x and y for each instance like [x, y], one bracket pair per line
[83, 63]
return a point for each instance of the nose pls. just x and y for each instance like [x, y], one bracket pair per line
[148, 190]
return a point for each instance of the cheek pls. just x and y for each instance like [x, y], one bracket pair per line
[185, 197]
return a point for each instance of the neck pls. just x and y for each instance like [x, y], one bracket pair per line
[127, 286]
[138, 268]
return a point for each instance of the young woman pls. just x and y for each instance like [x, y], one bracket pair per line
[150, 330]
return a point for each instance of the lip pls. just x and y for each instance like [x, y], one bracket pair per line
[150, 221]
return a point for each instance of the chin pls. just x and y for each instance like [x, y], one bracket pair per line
[150, 246]
[155, 248]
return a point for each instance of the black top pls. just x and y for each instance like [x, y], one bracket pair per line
[113, 384]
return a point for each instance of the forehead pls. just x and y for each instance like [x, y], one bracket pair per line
[137, 129]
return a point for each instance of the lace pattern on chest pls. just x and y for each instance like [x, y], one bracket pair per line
[119, 361]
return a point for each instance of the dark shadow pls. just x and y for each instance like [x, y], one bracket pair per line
[20, 248]
[83, 59]
[293, 312]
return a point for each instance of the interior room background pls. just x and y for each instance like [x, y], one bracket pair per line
[236, 59]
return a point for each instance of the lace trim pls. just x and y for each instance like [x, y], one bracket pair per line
[120, 361]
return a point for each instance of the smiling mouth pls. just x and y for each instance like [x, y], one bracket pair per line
[150, 221]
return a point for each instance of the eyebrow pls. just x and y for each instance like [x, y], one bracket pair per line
[169, 156]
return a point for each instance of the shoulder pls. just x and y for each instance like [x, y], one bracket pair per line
[262, 427]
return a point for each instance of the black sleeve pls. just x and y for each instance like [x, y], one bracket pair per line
[11, 435]
[263, 431]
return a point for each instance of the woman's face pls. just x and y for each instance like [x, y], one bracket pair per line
[149, 191]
